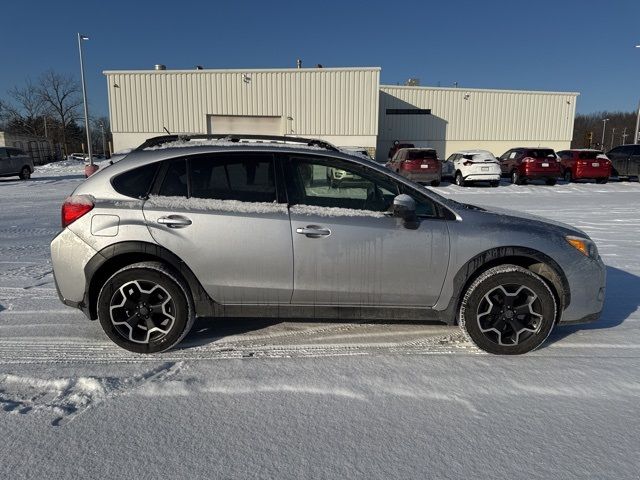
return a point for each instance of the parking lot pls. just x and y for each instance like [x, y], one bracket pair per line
[266, 398]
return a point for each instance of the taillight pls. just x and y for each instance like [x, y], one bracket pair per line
[528, 160]
[75, 207]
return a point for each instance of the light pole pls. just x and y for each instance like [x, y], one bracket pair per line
[89, 169]
[604, 127]
[613, 136]
[624, 136]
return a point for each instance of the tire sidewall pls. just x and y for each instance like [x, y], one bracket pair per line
[183, 315]
[484, 284]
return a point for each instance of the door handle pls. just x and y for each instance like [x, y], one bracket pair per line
[174, 221]
[313, 231]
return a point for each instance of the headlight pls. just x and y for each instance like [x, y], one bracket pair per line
[584, 246]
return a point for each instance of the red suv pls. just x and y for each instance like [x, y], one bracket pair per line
[585, 164]
[418, 164]
[522, 164]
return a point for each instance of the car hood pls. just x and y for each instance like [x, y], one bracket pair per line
[523, 217]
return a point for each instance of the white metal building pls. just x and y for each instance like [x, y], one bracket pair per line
[451, 119]
[339, 105]
[345, 106]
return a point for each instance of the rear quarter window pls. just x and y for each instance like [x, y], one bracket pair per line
[137, 182]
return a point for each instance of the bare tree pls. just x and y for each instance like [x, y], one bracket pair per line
[25, 114]
[61, 93]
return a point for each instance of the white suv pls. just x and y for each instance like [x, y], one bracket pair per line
[468, 166]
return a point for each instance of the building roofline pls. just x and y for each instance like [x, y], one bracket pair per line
[464, 90]
[244, 70]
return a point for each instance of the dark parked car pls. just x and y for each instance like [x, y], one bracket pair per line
[625, 161]
[15, 162]
[581, 164]
[522, 164]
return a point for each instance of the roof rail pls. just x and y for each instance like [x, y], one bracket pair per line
[311, 142]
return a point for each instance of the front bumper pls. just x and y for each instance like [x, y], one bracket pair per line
[587, 283]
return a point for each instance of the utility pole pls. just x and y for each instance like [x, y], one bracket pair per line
[104, 145]
[613, 134]
[604, 127]
[636, 133]
[624, 136]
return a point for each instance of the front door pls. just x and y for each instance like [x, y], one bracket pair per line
[222, 215]
[349, 250]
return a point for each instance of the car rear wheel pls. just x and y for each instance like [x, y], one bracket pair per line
[145, 308]
[568, 177]
[508, 310]
[25, 173]
[435, 183]
[602, 180]
[460, 179]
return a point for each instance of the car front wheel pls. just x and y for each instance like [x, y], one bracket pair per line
[145, 308]
[459, 179]
[508, 310]
[515, 178]
[568, 177]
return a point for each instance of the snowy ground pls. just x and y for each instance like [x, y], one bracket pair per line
[269, 399]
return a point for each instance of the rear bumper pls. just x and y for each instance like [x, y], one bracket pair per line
[421, 176]
[592, 172]
[479, 177]
[69, 255]
[541, 173]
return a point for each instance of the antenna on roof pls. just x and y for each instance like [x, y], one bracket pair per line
[165, 129]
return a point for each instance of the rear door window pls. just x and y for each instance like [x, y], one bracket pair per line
[246, 177]
[175, 182]
[421, 155]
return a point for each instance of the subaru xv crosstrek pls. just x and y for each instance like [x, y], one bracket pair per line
[187, 227]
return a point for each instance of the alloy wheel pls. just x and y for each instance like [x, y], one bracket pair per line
[142, 311]
[509, 314]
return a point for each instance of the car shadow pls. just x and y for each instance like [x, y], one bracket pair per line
[621, 301]
[210, 330]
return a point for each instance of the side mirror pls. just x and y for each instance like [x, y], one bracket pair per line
[404, 207]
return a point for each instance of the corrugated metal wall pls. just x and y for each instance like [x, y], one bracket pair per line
[311, 101]
[473, 114]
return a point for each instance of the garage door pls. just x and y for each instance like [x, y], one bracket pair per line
[257, 125]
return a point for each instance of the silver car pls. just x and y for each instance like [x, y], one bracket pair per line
[15, 163]
[188, 226]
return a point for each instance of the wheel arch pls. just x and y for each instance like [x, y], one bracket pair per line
[531, 259]
[114, 257]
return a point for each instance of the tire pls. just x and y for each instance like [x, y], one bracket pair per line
[490, 325]
[435, 183]
[515, 178]
[25, 173]
[602, 180]
[495, 183]
[551, 181]
[568, 177]
[459, 179]
[151, 283]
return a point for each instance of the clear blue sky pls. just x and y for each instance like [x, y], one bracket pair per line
[571, 45]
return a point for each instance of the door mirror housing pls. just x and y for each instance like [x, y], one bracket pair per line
[404, 207]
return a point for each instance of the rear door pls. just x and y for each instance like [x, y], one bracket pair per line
[619, 157]
[223, 214]
[350, 251]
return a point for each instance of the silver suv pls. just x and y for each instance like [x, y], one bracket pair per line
[15, 162]
[250, 226]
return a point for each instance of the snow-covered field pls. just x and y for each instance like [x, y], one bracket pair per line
[268, 399]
